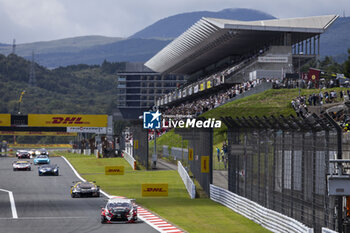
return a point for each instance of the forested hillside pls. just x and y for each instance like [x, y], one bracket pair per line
[74, 89]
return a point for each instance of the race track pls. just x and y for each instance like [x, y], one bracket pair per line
[43, 204]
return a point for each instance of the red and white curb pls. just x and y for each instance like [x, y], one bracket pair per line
[157, 223]
[154, 221]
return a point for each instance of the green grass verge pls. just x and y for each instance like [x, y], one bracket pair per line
[199, 215]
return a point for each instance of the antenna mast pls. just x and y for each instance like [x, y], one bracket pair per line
[32, 78]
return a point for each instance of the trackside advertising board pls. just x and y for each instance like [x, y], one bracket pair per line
[5, 119]
[154, 190]
[30, 133]
[67, 120]
[114, 170]
[96, 130]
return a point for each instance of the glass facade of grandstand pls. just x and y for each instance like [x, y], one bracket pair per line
[139, 90]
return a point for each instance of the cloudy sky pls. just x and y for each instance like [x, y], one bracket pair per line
[43, 20]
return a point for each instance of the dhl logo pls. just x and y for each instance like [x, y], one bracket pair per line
[160, 190]
[149, 190]
[66, 120]
[114, 170]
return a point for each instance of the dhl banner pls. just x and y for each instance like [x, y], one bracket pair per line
[114, 170]
[202, 87]
[190, 154]
[208, 84]
[65, 120]
[154, 190]
[29, 133]
[136, 144]
[5, 119]
[204, 164]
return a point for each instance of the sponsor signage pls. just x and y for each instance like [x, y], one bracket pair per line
[154, 190]
[96, 130]
[67, 120]
[190, 90]
[209, 84]
[114, 170]
[5, 119]
[195, 89]
[204, 164]
[202, 86]
[273, 59]
[30, 133]
[190, 154]
[136, 144]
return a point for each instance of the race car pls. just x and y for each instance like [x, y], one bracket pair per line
[119, 209]
[21, 165]
[47, 170]
[32, 152]
[41, 159]
[23, 154]
[41, 151]
[84, 189]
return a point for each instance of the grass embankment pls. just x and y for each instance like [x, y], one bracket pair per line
[271, 102]
[198, 215]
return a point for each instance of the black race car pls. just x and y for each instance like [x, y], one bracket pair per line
[48, 170]
[23, 154]
[119, 209]
[84, 189]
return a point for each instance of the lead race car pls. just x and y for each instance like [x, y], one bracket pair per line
[84, 189]
[119, 209]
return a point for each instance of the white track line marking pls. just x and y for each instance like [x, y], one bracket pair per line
[12, 201]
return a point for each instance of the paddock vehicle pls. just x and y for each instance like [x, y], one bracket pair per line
[48, 170]
[41, 159]
[84, 189]
[21, 165]
[119, 209]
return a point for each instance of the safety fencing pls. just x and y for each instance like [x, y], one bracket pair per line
[190, 186]
[130, 159]
[269, 219]
[282, 164]
[175, 153]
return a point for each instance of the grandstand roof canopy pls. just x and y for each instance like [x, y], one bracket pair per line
[209, 40]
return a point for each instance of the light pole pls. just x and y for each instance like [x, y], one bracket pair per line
[20, 100]
[300, 54]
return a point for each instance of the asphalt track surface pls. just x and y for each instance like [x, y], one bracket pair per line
[44, 204]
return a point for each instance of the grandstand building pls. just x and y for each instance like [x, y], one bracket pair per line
[216, 53]
[138, 87]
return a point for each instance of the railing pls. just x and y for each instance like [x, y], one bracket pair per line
[269, 219]
[326, 230]
[191, 188]
[129, 159]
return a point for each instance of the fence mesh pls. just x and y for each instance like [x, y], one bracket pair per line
[284, 170]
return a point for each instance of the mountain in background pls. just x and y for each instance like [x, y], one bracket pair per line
[335, 41]
[173, 26]
[146, 43]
